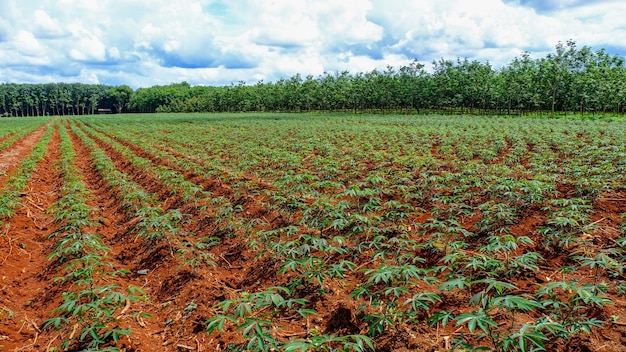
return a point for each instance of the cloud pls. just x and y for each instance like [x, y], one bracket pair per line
[47, 27]
[550, 6]
[215, 42]
[450, 29]
[187, 38]
[28, 44]
[347, 22]
[284, 24]
[207, 57]
[87, 45]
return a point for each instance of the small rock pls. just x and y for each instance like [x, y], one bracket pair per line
[142, 272]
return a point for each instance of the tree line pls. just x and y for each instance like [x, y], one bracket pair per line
[61, 99]
[568, 80]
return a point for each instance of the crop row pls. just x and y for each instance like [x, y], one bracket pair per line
[154, 223]
[16, 182]
[90, 314]
[16, 129]
[191, 250]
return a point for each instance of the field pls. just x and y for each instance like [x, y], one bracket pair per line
[312, 232]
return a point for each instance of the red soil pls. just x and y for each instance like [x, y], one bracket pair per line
[10, 157]
[26, 291]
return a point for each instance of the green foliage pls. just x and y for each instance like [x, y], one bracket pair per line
[253, 315]
[92, 312]
[54, 99]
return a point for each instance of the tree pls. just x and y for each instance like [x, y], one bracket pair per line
[555, 71]
[121, 96]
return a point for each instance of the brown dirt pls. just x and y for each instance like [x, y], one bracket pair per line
[115, 232]
[7, 136]
[26, 245]
[10, 157]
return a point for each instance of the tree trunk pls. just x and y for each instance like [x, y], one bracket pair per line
[553, 99]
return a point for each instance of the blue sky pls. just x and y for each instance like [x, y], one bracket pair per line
[215, 42]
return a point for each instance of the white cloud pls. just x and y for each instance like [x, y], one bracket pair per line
[46, 26]
[143, 42]
[89, 76]
[346, 22]
[114, 53]
[26, 44]
[459, 28]
[86, 45]
[284, 23]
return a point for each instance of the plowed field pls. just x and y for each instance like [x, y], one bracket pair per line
[312, 232]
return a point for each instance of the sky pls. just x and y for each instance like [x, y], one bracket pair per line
[143, 43]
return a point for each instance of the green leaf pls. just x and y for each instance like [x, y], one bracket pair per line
[441, 317]
[511, 302]
[450, 285]
[478, 318]
[243, 309]
[422, 300]
[217, 322]
[298, 345]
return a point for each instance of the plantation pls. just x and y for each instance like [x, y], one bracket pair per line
[312, 232]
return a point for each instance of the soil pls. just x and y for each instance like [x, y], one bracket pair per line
[10, 157]
[180, 298]
[26, 291]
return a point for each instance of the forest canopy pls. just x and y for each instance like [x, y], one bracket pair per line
[570, 79]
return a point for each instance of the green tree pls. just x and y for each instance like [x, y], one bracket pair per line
[121, 96]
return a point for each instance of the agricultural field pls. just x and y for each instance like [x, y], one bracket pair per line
[312, 232]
